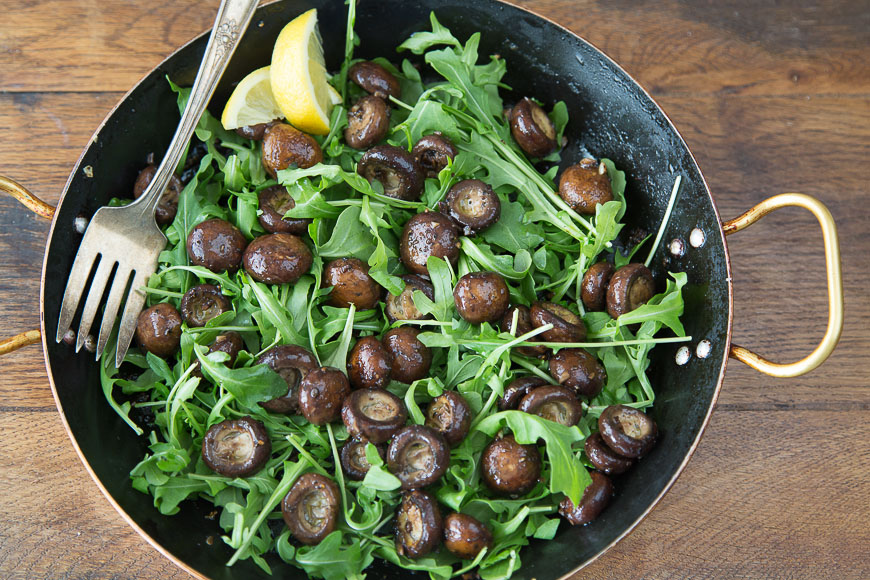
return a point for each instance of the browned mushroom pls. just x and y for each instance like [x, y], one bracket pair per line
[465, 536]
[418, 525]
[428, 234]
[373, 414]
[374, 79]
[584, 185]
[351, 284]
[411, 358]
[472, 204]
[274, 202]
[158, 329]
[285, 145]
[628, 431]
[369, 364]
[292, 363]
[532, 128]
[509, 468]
[450, 415]
[524, 325]
[202, 303]
[401, 306]
[368, 122]
[418, 456]
[593, 288]
[630, 286]
[595, 498]
[395, 169]
[553, 403]
[277, 259]
[311, 508]
[236, 448]
[216, 244]
[604, 458]
[321, 394]
[354, 461]
[167, 207]
[516, 390]
[567, 326]
[432, 153]
[481, 297]
[579, 371]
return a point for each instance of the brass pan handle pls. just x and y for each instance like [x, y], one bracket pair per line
[835, 284]
[41, 209]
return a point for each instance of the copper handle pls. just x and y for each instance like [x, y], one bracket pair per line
[41, 209]
[835, 284]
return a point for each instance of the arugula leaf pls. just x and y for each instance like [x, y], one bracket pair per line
[419, 42]
[250, 385]
[511, 232]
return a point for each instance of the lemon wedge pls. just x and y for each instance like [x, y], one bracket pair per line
[251, 102]
[299, 79]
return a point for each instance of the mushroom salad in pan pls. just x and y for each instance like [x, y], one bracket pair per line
[386, 323]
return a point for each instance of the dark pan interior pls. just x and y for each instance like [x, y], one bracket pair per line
[610, 116]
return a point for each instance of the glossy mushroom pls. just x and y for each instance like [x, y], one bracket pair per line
[353, 458]
[630, 286]
[593, 287]
[395, 169]
[465, 536]
[285, 146]
[516, 390]
[351, 284]
[321, 395]
[567, 326]
[202, 303]
[553, 403]
[257, 131]
[450, 415]
[167, 207]
[374, 79]
[523, 325]
[579, 371]
[292, 363]
[368, 122]
[629, 432]
[428, 234]
[274, 202]
[401, 306]
[311, 508]
[418, 525]
[277, 259]
[595, 498]
[473, 204]
[411, 358]
[432, 153]
[481, 297]
[510, 469]
[532, 129]
[418, 456]
[605, 459]
[584, 185]
[369, 364]
[236, 448]
[158, 329]
[216, 244]
[373, 414]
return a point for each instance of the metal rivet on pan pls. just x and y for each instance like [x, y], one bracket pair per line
[703, 349]
[697, 238]
[677, 247]
[683, 355]
[80, 224]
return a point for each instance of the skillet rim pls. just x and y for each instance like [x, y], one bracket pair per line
[667, 487]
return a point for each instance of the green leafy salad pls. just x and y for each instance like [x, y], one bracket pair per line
[539, 246]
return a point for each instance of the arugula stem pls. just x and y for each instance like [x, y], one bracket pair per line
[307, 456]
[530, 367]
[665, 220]
[161, 292]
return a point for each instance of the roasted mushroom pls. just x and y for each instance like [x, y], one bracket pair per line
[428, 234]
[374, 79]
[230, 343]
[369, 364]
[285, 146]
[321, 394]
[202, 303]
[524, 325]
[567, 326]
[167, 207]
[532, 128]
[418, 525]
[236, 448]
[277, 259]
[216, 244]
[584, 185]
[292, 363]
[257, 131]
[628, 431]
[594, 286]
[465, 537]
[553, 403]
[516, 390]
[353, 459]
[595, 498]
[604, 458]
[630, 286]
[450, 415]
[432, 153]
[395, 169]
[418, 456]
[481, 297]
[351, 284]
[311, 508]
[472, 204]
[158, 329]
[411, 358]
[373, 414]
[579, 371]
[274, 202]
[368, 122]
[509, 468]
[402, 307]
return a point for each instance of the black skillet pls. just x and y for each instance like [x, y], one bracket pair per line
[610, 116]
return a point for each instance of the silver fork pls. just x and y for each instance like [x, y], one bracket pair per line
[127, 239]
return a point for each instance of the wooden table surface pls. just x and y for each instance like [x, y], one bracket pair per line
[770, 96]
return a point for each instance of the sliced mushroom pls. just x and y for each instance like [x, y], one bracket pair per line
[368, 122]
[374, 79]
[553, 403]
[202, 303]
[628, 431]
[428, 234]
[579, 371]
[524, 325]
[604, 458]
[481, 297]
[292, 363]
[595, 498]
[631, 286]
[509, 468]
[473, 204]
[411, 358]
[584, 185]
[394, 169]
[567, 326]
[236, 448]
[402, 307]
[465, 536]
[418, 525]
[532, 129]
[369, 364]
[373, 414]
[285, 146]
[593, 288]
[311, 508]
[158, 329]
[354, 461]
[277, 259]
[450, 415]
[418, 456]
[274, 202]
[516, 390]
[321, 394]
[351, 284]
[432, 153]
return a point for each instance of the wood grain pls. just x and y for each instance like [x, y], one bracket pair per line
[771, 97]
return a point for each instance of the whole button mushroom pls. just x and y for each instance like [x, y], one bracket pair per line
[553, 403]
[418, 525]
[628, 431]
[274, 202]
[373, 414]
[277, 259]
[432, 153]
[450, 415]
[532, 129]
[428, 234]
[605, 459]
[216, 244]
[481, 297]
[292, 363]
[368, 122]
[473, 204]
[353, 459]
[202, 303]
[351, 284]
[516, 390]
[394, 169]
[285, 145]
[418, 456]
[158, 329]
[593, 287]
[630, 286]
[465, 536]
[595, 498]
[523, 325]
[510, 469]
[567, 326]
[369, 364]
[236, 448]
[255, 132]
[411, 358]
[167, 207]
[321, 394]
[579, 371]
[311, 507]
[374, 79]
[402, 307]
[584, 185]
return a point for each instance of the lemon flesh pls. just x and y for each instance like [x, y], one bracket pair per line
[251, 102]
